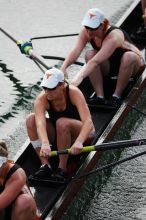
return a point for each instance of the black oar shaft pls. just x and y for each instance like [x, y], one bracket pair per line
[8, 35]
[136, 109]
[53, 36]
[104, 146]
[120, 144]
[31, 52]
[61, 58]
[110, 165]
[38, 58]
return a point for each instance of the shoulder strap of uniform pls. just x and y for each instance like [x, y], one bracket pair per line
[109, 30]
[127, 37]
[67, 91]
[11, 171]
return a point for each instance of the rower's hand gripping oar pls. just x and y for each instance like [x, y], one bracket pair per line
[103, 147]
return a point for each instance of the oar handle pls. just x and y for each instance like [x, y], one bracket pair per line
[68, 151]
[103, 146]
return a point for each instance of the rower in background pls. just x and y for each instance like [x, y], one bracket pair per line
[112, 54]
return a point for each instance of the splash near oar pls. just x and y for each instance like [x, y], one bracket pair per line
[104, 146]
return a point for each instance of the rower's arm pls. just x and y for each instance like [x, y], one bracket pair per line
[12, 189]
[87, 125]
[108, 47]
[40, 110]
[75, 51]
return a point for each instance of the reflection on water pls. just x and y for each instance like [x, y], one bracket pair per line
[20, 95]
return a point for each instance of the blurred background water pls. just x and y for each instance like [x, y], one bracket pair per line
[118, 193]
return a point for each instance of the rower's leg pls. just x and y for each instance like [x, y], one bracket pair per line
[130, 65]
[33, 136]
[67, 131]
[96, 77]
[24, 208]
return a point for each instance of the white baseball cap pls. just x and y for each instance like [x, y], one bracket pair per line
[52, 78]
[93, 18]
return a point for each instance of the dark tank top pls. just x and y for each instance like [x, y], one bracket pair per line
[70, 111]
[115, 58]
[126, 36]
[9, 174]
[118, 53]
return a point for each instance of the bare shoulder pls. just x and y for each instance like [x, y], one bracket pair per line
[76, 94]
[74, 90]
[18, 176]
[115, 38]
[117, 34]
[40, 98]
[83, 34]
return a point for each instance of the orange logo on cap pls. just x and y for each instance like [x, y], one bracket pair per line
[91, 15]
[48, 74]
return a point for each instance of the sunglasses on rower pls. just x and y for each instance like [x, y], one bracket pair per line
[47, 89]
[92, 29]
[53, 89]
